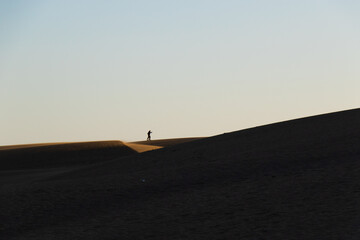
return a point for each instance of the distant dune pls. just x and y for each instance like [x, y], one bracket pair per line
[62, 154]
[297, 179]
[144, 146]
[47, 155]
[19, 146]
[168, 142]
[140, 148]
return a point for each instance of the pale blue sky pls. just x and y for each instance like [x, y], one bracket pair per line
[101, 70]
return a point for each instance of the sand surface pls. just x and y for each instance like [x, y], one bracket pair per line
[168, 142]
[60, 154]
[21, 146]
[298, 179]
[140, 148]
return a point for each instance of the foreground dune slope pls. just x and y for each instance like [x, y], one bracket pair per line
[298, 179]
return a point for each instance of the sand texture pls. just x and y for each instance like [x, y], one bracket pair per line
[297, 179]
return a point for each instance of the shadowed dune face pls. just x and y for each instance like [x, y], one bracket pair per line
[292, 180]
[60, 154]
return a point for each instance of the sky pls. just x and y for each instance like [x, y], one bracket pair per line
[112, 70]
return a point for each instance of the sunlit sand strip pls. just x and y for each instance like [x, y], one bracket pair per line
[140, 148]
[6, 147]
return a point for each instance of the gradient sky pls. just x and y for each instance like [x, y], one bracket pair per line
[102, 70]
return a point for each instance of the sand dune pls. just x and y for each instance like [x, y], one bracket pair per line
[292, 180]
[167, 142]
[144, 146]
[140, 148]
[44, 155]
[21, 146]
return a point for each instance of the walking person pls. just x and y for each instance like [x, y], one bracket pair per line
[148, 134]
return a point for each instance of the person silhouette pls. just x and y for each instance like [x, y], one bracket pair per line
[149, 137]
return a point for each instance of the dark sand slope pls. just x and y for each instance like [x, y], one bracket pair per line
[293, 180]
[60, 154]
